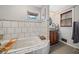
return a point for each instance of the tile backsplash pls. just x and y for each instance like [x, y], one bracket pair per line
[18, 29]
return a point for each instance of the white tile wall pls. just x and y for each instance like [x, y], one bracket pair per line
[6, 24]
[10, 30]
[21, 35]
[14, 24]
[21, 24]
[14, 35]
[4, 30]
[1, 24]
[7, 37]
[1, 31]
[14, 29]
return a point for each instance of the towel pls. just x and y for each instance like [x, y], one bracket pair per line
[75, 36]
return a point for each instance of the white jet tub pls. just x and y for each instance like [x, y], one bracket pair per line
[33, 45]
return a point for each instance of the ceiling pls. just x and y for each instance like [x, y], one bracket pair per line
[57, 8]
[38, 6]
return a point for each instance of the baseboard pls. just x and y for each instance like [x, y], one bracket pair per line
[69, 44]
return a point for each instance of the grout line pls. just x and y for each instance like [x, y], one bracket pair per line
[23, 21]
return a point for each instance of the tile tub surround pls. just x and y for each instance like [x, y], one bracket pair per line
[1, 36]
[18, 29]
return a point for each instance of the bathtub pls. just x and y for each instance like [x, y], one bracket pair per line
[32, 45]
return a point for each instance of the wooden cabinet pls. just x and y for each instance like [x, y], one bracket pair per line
[53, 37]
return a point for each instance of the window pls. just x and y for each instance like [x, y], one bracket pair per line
[66, 19]
[32, 16]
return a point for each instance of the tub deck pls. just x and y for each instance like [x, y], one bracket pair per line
[26, 46]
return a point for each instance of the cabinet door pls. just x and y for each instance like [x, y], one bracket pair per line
[53, 37]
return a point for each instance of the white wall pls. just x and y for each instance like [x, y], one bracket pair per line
[52, 15]
[76, 13]
[17, 12]
[66, 32]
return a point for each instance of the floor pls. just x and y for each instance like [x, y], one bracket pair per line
[61, 48]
